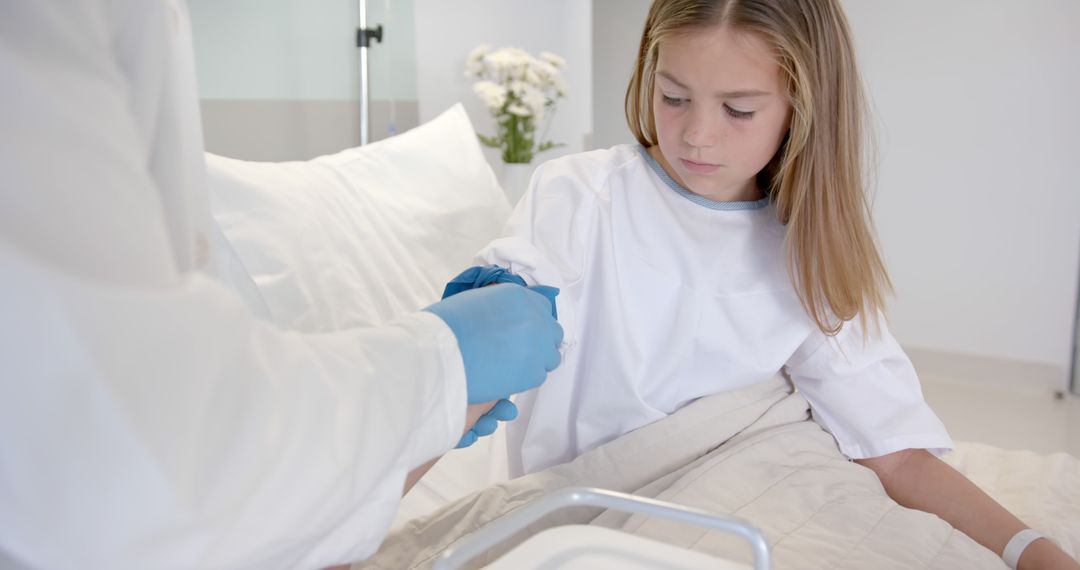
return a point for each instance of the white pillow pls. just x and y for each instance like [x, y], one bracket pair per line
[364, 235]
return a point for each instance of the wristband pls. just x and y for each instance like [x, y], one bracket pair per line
[1017, 544]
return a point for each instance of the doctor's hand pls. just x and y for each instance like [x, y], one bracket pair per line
[486, 275]
[508, 339]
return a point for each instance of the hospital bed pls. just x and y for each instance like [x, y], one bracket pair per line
[396, 219]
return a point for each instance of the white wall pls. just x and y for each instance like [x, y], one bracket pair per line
[978, 202]
[447, 31]
[617, 26]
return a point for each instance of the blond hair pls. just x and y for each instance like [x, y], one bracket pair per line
[815, 180]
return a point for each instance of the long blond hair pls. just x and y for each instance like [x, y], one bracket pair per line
[815, 180]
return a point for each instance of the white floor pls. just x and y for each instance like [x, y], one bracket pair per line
[1010, 416]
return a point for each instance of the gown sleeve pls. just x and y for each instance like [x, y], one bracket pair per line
[865, 392]
[548, 237]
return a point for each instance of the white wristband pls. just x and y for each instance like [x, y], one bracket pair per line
[1017, 544]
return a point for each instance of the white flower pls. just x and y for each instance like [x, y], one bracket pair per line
[555, 61]
[514, 84]
[534, 100]
[474, 65]
[507, 63]
[493, 96]
[519, 110]
[560, 86]
[532, 77]
[544, 71]
[517, 87]
[479, 52]
[518, 55]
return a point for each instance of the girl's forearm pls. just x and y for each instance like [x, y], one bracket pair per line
[918, 480]
[472, 413]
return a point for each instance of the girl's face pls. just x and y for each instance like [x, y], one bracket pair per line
[721, 109]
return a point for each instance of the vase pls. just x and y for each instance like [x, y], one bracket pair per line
[514, 180]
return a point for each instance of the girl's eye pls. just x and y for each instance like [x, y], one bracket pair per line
[737, 114]
[673, 101]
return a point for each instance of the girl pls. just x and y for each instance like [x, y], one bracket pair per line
[731, 244]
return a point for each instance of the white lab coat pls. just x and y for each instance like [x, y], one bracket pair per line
[146, 419]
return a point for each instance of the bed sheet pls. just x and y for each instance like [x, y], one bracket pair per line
[756, 453]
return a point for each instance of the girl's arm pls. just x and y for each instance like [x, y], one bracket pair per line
[472, 413]
[916, 479]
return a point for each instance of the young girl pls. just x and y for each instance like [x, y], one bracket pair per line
[731, 244]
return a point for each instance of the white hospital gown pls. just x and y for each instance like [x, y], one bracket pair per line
[667, 297]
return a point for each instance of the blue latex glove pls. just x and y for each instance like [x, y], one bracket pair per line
[480, 276]
[549, 293]
[508, 339]
[503, 411]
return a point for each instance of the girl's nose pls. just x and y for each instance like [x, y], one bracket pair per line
[700, 130]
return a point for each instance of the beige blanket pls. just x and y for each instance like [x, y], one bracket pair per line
[756, 454]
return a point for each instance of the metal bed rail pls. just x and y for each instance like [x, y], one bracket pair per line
[497, 531]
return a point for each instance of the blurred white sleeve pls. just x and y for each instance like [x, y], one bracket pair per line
[146, 419]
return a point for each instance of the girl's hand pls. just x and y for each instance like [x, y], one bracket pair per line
[1045, 555]
[474, 412]
[483, 419]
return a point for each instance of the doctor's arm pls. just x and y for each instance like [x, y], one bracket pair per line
[165, 428]
[917, 479]
[147, 419]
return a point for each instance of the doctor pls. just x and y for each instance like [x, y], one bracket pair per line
[146, 419]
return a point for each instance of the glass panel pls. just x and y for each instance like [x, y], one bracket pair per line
[279, 80]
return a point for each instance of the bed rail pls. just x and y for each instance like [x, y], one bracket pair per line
[499, 530]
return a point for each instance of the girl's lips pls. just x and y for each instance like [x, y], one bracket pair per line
[698, 167]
